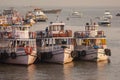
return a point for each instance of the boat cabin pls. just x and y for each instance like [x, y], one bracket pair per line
[55, 30]
[16, 31]
[89, 32]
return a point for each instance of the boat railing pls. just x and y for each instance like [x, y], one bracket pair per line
[44, 34]
[49, 48]
[89, 34]
[89, 47]
[20, 34]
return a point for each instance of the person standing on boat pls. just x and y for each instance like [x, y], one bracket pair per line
[46, 30]
[87, 27]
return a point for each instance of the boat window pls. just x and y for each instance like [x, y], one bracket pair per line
[58, 28]
[69, 41]
[64, 41]
[20, 43]
[40, 42]
[54, 28]
[46, 42]
[50, 28]
[62, 27]
[20, 49]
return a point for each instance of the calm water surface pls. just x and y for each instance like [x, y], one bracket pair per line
[77, 70]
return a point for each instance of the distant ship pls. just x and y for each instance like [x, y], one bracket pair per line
[52, 11]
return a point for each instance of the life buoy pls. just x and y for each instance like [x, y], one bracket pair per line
[79, 53]
[4, 56]
[73, 54]
[28, 50]
[83, 53]
[13, 55]
[108, 52]
[61, 33]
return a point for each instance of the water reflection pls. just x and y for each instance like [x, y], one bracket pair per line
[31, 72]
[89, 71]
[101, 65]
[67, 71]
[71, 71]
[78, 70]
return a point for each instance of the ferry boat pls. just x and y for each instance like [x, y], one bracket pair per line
[91, 44]
[17, 45]
[55, 44]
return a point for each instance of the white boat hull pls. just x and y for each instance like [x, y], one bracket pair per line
[61, 56]
[95, 55]
[21, 58]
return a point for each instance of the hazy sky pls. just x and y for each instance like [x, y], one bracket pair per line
[60, 3]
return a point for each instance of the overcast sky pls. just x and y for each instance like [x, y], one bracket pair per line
[84, 3]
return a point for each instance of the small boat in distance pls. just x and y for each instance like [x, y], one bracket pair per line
[37, 15]
[104, 22]
[107, 14]
[76, 14]
[118, 14]
[55, 44]
[91, 44]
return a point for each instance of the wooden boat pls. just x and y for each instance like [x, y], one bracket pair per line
[55, 44]
[91, 44]
[17, 45]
